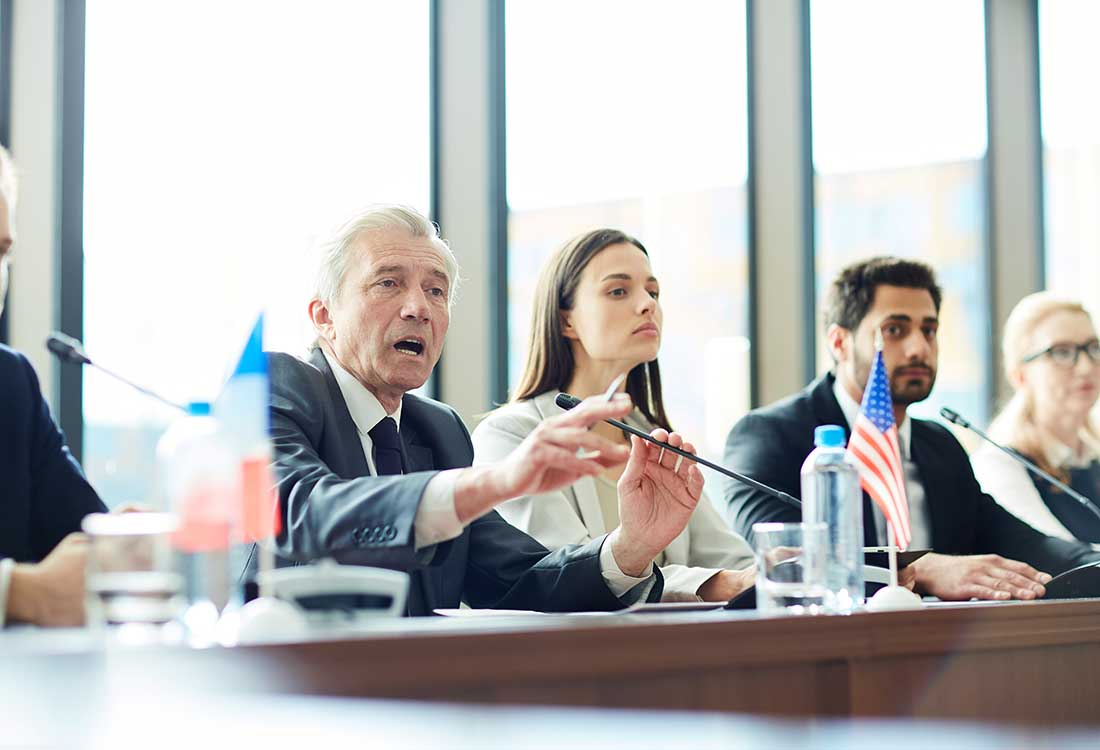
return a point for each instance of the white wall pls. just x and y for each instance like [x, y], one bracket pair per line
[33, 145]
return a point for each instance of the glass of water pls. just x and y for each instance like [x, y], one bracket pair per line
[790, 567]
[130, 575]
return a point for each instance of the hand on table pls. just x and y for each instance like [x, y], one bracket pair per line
[958, 578]
[51, 592]
[726, 584]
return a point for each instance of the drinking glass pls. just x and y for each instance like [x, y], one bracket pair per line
[790, 567]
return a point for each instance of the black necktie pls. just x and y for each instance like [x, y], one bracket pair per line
[387, 447]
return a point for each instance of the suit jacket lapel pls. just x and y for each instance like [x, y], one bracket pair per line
[828, 411]
[584, 489]
[417, 457]
[350, 445]
[932, 479]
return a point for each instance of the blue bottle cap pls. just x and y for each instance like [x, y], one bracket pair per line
[199, 408]
[829, 436]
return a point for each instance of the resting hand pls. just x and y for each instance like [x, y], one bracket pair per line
[51, 592]
[726, 584]
[657, 493]
[958, 578]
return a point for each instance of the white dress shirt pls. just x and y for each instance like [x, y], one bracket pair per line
[436, 519]
[919, 525]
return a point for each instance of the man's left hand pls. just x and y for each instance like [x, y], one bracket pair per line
[962, 577]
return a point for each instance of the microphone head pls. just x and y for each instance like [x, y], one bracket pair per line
[953, 417]
[565, 401]
[67, 349]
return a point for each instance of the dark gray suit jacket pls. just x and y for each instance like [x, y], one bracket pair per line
[770, 444]
[333, 507]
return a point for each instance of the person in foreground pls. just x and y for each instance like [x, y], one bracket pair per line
[1052, 360]
[371, 474]
[43, 492]
[597, 316]
[980, 550]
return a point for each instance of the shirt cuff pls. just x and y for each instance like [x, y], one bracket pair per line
[6, 566]
[436, 520]
[619, 582]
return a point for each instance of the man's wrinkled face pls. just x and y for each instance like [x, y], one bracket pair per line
[909, 323]
[387, 322]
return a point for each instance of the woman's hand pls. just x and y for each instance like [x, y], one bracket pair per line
[726, 584]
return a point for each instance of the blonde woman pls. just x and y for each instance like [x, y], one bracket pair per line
[597, 316]
[1052, 360]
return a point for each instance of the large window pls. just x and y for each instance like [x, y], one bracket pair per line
[1069, 59]
[220, 138]
[633, 115]
[899, 141]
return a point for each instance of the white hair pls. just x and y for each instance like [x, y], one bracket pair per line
[334, 253]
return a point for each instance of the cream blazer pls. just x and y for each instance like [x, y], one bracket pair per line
[1010, 484]
[572, 515]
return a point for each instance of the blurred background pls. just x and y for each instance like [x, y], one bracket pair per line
[178, 159]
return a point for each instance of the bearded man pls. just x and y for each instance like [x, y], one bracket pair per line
[979, 549]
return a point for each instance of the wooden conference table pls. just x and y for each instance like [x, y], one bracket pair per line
[1036, 663]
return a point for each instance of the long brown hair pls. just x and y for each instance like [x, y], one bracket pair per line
[550, 364]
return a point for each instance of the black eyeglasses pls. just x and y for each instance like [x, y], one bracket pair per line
[1065, 355]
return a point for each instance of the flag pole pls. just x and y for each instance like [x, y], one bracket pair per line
[892, 552]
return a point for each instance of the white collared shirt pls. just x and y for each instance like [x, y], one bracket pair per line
[919, 525]
[436, 520]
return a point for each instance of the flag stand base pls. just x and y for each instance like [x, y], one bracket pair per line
[893, 598]
[267, 620]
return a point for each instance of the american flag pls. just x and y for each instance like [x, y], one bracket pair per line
[874, 446]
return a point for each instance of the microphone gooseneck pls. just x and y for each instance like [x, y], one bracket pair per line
[954, 418]
[567, 402]
[68, 349]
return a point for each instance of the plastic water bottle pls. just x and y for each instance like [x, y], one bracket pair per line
[199, 480]
[831, 495]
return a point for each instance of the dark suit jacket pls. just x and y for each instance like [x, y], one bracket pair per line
[43, 492]
[770, 444]
[333, 507]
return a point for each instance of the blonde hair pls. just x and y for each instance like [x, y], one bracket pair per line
[1015, 425]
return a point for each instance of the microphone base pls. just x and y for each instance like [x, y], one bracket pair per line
[1082, 582]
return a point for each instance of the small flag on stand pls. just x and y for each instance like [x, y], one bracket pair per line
[242, 410]
[874, 445]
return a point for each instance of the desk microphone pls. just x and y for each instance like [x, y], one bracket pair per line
[68, 349]
[567, 402]
[954, 418]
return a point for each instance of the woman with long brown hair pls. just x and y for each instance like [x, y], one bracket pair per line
[1052, 360]
[597, 316]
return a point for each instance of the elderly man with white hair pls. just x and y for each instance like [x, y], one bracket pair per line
[369, 473]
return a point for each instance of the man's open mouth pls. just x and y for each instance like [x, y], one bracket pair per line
[411, 347]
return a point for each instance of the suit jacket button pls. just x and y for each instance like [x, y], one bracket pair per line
[391, 533]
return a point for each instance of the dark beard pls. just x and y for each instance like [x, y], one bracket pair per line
[900, 393]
